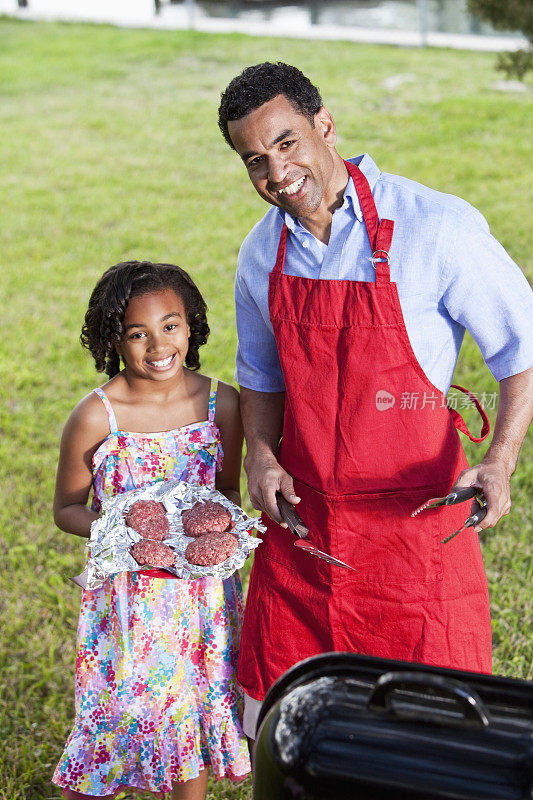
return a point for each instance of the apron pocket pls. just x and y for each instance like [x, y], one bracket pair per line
[376, 534]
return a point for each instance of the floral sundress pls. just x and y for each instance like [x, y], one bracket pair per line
[156, 693]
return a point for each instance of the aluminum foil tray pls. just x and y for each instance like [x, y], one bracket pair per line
[111, 539]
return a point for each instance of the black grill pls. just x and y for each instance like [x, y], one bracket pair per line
[346, 727]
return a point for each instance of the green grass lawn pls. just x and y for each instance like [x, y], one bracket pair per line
[110, 150]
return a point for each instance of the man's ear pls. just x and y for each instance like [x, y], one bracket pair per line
[325, 124]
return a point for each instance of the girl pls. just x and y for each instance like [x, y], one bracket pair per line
[156, 696]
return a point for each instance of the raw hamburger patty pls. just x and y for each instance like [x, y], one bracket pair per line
[205, 517]
[154, 553]
[210, 549]
[149, 518]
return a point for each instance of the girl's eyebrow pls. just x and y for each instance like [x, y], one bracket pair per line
[172, 314]
[141, 324]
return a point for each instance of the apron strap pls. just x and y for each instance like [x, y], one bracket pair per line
[379, 232]
[461, 425]
[280, 258]
[380, 255]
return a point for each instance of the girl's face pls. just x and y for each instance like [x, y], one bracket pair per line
[156, 335]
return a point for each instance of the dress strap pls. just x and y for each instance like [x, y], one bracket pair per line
[113, 427]
[212, 400]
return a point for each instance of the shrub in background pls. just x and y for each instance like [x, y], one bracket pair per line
[513, 15]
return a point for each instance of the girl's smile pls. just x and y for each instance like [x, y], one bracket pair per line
[163, 364]
[156, 335]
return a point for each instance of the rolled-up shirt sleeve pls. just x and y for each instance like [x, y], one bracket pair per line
[486, 292]
[257, 361]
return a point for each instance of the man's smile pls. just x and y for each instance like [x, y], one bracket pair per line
[292, 188]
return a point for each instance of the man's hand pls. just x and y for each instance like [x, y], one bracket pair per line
[265, 478]
[493, 480]
[493, 474]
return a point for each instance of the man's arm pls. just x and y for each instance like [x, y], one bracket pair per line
[262, 416]
[493, 474]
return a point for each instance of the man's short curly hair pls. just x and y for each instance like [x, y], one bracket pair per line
[258, 84]
[104, 320]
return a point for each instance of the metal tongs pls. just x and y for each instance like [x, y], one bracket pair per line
[458, 496]
[300, 529]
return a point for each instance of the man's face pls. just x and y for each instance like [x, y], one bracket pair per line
[290, 162]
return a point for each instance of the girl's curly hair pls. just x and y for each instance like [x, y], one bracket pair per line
[104, 321]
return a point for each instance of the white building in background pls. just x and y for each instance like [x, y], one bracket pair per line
[122, 12]
[283, 21]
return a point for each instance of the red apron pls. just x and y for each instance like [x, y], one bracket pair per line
[367, 438]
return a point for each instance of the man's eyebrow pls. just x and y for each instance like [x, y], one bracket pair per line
[283, 135]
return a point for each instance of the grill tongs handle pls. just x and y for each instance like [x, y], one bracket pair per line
[291, 517]
[428, 689]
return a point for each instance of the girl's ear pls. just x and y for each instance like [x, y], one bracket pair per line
[118, 348]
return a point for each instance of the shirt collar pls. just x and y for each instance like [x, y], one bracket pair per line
[371, 172]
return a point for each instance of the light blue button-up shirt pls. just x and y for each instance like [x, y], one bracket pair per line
[450, 272]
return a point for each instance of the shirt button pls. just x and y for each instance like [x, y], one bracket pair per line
[305, 244]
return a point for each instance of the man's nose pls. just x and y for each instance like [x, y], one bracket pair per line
[277, 169]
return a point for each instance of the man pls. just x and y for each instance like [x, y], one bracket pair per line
[352, 296]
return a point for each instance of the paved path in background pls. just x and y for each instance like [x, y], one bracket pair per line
[139, 13]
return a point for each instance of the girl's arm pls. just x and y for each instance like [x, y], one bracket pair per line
[228, 419]
[85, 430]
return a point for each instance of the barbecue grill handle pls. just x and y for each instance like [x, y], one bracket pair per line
[380, 699]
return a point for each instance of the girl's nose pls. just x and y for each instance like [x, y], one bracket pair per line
[154, 341]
